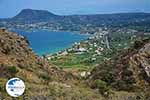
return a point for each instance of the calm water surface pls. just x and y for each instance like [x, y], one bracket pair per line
[46, 42]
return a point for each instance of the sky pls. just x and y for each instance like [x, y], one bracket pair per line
[10, 8]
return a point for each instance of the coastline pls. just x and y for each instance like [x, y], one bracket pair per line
[35, 30]
[56, 50]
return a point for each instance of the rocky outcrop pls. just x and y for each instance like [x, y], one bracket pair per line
[15, 52]
[140, 67]
[18, 60]
[144, 53]
[128, 71]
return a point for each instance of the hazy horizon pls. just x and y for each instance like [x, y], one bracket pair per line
[68, 7]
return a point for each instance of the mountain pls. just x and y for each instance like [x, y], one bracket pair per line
[76, 22]
[30, 15]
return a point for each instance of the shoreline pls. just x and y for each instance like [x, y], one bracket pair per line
[35, 30]
[61, 49]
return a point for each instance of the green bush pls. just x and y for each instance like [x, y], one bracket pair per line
[102, 86]
[45, 76]
[12, 69]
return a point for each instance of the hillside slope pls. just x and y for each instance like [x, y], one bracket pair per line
[43, 81]
[124, 77]
[128, 71]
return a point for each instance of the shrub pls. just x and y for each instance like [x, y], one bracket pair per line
[12, 69]
[2, 85]
[138, 44]
[102, 86]
[45, 76]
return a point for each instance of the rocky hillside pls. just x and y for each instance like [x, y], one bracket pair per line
[17, 57]
[124, 77]
[128, 71]
[43, 81]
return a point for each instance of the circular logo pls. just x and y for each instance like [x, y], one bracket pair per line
[15, 87]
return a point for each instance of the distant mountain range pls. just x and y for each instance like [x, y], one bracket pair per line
[28, 16]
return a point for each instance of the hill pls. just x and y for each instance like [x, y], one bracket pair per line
[42, 80]
[42, 19]
[31, 16]
[128, 71]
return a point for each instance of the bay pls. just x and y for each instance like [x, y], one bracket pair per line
[46, 42]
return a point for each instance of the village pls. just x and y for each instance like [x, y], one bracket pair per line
[99, 47]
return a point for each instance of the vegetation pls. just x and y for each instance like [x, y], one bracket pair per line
[72, 61]
[121, 68]
[45, 76]
[12, 69]
[83, 23]
[102, 86]
[121, 72]
[87, 60]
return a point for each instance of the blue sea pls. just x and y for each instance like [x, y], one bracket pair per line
[46, 42]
